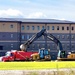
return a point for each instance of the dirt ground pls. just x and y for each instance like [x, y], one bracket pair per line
[38, 72]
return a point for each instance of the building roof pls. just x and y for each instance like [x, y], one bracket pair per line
[35, 20]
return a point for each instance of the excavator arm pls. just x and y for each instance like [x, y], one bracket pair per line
[58, 43]
[45, 34]
[54, 39]
[32, 39]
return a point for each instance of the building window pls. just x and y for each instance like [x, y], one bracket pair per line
[22, 37]
[62, 27]
[72, 28]
[63, 45]
[33, 27]
[72, 45]
[39, 46]
[63, 36]
[22, 28]
[11, 35]
[48, 46]
[53, 45]
[33, 46]
[43, 27]
[57, 27]
[28, 28]
[58, 36]
[42, 37]
[52, 27]
[28, 37]
[67, 28]
[3, 36]
[11, 46]
[72, 36]
[48, 27]
[11, 26]
[67, 36]
[68, 46]
[43, 45]
[38, 27]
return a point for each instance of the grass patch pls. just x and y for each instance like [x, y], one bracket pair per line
[36, 65]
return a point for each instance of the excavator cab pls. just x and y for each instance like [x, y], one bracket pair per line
[62, 54]
[44, 54]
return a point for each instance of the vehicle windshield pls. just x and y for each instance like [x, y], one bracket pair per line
[7, 54]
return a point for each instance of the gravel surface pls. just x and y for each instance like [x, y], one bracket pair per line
[38, 72]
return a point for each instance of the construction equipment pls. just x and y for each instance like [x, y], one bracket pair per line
[70, 56]
[43, 54]
[44, 33]
[15, 55]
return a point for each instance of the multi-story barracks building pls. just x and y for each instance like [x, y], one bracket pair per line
[16, 31]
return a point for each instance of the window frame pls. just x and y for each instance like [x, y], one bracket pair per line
[28, 27]
[43, 27]
[63, 36]
[68, 46]
[23, 27]
[12, 35]
[11, 26]
[33, 27]
[48, 27]
[67, 27]
[58, 36]
[72, 46]
[38, 27]
[33, 46]
[57, 27]
[68, 36]
[53, 27]
[72, 36]
[23, 37]
[62, 27]
[28, 36]
[72, 28]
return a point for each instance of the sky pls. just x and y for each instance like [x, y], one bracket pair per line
[38, 9]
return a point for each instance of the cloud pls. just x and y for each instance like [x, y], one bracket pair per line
[10, 13]
[37, 15]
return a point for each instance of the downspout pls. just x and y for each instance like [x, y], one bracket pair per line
[45, 37]
[20, 34]
[70, 36]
